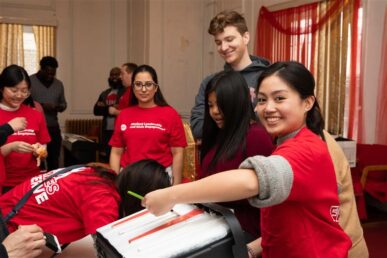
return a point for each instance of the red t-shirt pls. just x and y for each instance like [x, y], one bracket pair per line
[2, 172]
[306, 224]
[125, 99]
[148, 133]
[20, 166]
[70, 206]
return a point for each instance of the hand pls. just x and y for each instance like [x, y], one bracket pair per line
[21, 147]
[18, 124]
[49, 106]
[39, 150]
[254, 248]
[158, 202]
[26, 242]
[113, 111]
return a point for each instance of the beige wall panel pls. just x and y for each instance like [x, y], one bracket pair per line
[92, 51]
[176, 43]
[92, 38]
[137, 31]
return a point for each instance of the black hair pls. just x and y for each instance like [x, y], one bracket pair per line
[102, 175]
[11, 76]
[298, 77]
[48, 61]
[130, 67]
[233, 100]
[158, 97]
[140, 177]
[29, 101]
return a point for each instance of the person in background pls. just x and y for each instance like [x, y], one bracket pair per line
[231, 38]
[231, 133]
[78, 202]
[49, 92]
[349, 218]
[295, 187]
[106, 103]
[126, 77]
[149, 128]
[22, 150]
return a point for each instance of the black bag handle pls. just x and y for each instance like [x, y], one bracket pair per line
[24, 199]
[3, 228]
[239, 248]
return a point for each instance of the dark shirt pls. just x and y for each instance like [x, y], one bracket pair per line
[3, 251]
[258, 142]
[3, 234]
[5, 131]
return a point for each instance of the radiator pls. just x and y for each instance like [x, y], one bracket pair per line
[87, 127]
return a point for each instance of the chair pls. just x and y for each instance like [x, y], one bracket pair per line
[191, 158]
[90, 128]
[371, 174]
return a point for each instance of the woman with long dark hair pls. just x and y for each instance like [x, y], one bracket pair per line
[231, 133]
[295, 187]
[149, 128]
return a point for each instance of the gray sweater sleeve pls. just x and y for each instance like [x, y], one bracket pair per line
[197, 112]
[275, 178]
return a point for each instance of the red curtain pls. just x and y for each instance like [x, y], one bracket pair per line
[278, 31]
[292, 34]
[381, 111]
[355, 120]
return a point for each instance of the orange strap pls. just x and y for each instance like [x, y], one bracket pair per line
[184, 217]
[130, 218]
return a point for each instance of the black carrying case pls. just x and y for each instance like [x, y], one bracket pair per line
[233, 245]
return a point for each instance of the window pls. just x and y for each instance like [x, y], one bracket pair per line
[30, 53]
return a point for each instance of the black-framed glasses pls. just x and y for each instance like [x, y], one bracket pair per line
[148, 85]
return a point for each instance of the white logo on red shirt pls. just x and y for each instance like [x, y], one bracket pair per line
[335, 213]
[45, 189]
[123, 127]
[25, 132]
[140, 125]
[50, 187]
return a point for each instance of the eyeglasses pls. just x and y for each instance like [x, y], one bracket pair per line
[24, 93]
[148, 85]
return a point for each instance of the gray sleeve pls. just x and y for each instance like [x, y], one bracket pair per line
[275, 178]
[197, 112]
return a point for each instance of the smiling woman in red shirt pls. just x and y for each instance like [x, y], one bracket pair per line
[295, 187]
[21, 148]
[149, 128]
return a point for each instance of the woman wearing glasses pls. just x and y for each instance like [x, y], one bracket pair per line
[21, 149]
[149, 128]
